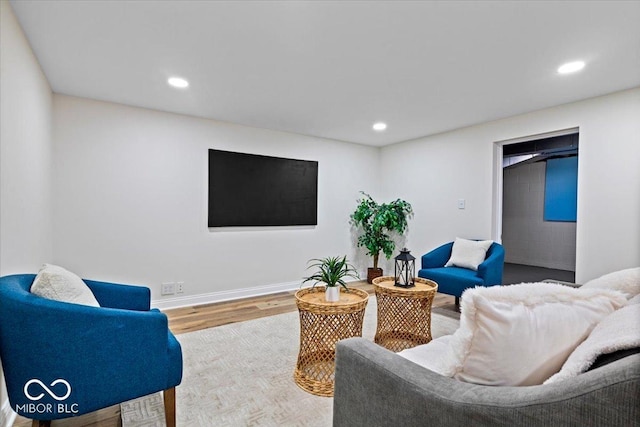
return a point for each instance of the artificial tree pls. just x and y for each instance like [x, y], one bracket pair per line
[376, 222]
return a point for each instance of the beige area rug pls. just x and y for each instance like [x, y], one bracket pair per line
[242, 375]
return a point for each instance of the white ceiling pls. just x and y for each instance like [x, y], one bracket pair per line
[332, 69]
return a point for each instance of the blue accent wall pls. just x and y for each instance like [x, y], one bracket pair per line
[561, 189]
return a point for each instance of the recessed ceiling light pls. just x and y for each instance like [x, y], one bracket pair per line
[379, 126]
[571, 67]
[178, 82]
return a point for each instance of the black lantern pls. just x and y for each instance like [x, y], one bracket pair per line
[405, 271]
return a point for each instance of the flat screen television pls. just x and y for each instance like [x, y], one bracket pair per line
[253, 190]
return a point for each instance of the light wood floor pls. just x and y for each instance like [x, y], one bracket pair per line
[195, 318]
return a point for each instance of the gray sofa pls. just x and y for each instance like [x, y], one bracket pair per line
[376, 387]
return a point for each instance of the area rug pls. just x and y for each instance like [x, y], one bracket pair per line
[242, 375]
[448, 310]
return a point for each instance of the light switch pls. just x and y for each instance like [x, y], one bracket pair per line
[461, 203]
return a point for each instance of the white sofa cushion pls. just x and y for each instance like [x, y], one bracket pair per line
[468, 253]
[434, 355]
[56, 283]
[626, 281]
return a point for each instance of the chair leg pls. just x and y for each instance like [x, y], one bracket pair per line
[170, 406]
[458, 304]
[40, 423]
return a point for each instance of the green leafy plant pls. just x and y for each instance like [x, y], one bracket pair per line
[331, 271]
[377, 221]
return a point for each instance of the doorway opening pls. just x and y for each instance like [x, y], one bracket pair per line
[537, 206]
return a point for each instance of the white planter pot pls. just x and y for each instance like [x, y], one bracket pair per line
[332, 294]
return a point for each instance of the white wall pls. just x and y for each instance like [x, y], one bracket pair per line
[25, 161]
[443, 168]
[25, 156]
[131, 199]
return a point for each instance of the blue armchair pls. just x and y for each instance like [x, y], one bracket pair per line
[454, 280]
[62, 360]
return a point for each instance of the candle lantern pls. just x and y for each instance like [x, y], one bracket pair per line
[405, 270]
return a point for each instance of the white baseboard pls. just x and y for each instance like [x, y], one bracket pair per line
[220, 296]
[211, 297]
[7, 416]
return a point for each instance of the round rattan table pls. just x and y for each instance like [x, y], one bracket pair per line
[322, 325]
[404, 314]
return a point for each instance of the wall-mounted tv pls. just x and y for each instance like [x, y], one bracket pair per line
[253, 190]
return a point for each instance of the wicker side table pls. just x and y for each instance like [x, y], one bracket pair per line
[404, 314]
[322, 325]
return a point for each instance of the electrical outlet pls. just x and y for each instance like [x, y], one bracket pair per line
[461, 203]
[179, 287]
[168, 288]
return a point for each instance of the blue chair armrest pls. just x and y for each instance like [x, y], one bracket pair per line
[96, 350]
[491, 268]
[126, 297]
[437, 257]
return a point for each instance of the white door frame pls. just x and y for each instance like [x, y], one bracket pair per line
[496, 218]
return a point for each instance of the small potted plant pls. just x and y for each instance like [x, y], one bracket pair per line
[332, 271]
[377, 221]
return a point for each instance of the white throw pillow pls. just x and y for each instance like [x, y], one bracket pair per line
[56, 283]
[468, 253]
[522, 334]
[618, 331]
[634, 300]
[626, 281]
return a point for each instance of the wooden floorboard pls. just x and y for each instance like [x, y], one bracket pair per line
[195, 318]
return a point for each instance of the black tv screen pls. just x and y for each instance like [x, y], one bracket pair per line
[254, 190]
